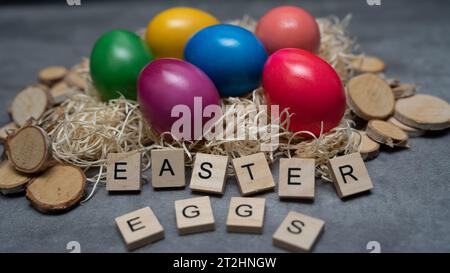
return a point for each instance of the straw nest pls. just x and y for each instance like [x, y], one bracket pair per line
[84, 129]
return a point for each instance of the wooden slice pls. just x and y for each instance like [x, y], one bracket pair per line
[423, 112]
[412, 132]
[30, 103]
[368, 64]
[404, 90]
[6, 130]
[386, 133]
[75, 80]
[28, 149]
[57, 189]
[368, 148]
[61, 91]
[370, 97]
[11, 181]
[52, 74]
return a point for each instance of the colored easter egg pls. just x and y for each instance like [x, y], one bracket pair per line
[308, 86]
[230, 55]
[288, 27]
[168, 82]
[168, 32]
[116, 60]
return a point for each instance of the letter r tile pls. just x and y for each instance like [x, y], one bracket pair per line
[349, 174]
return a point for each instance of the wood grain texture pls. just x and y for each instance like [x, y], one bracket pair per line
[57, 189]
[12, 181]
[30, 103]
[28, 149]
[370, 97]
[424, 112]
[368, 64]
[386, 133]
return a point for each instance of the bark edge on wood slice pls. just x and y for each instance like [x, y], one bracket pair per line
[404, 90]
[368, 64]
[61, 91]
[12, 181]
[30, 103]
[28, 149]
[368, 148]
[386, 133]
[75, 80]
[58, 189]
[412, 132]
[423, 112]
[6, 130]
[370, 97]
[52, 74]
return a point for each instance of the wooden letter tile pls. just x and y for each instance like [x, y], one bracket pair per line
[296, 178]
[208, 173]
[168, 168]
[139, 228]
[123, 172]
[349, 174]
[253, 174]
[194, 215]
[298, 232]
[246, 215]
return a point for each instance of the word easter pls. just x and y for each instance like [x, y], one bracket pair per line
[298, 232]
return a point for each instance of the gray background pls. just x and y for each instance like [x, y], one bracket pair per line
[408, 210]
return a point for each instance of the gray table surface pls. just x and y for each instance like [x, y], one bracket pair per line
[407, 211]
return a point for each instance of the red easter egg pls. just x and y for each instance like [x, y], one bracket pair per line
[288, 26]
[308, 86]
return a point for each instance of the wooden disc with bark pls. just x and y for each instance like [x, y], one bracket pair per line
[386, 133]
[404, 90]
[30, 103]
[368, 148]
[424, 112]
[412, 132]
[12, 181]
[52, 74]
[368, 64]
[28, 149]
[6, 130]
[370, 97]
[61, 91]
[57, 189]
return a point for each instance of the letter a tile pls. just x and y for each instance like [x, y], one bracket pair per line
[168, 168]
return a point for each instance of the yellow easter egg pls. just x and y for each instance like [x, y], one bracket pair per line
[168, 32]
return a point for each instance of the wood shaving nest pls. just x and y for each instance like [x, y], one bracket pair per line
[83, 130]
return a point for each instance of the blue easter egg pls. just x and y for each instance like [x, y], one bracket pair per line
[231, 56]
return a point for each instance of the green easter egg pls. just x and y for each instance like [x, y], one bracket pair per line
[116, 60]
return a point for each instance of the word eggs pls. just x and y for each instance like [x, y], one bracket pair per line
[116, 60]
[168, 32]
[288, 27]
[307, 86]
[167, 88]
[230, 55]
